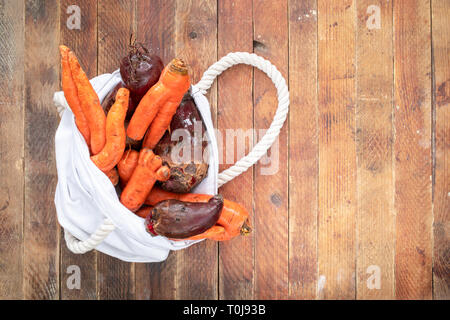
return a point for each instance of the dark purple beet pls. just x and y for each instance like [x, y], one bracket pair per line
[179, 220]
[111, 98]
[140, 71]
[183, 176]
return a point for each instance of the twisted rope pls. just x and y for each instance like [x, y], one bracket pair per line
[272, 133]
[80, 247]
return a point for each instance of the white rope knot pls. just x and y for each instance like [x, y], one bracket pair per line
[272, 133]
[80, 247]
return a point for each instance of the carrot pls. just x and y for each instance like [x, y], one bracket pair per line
[147, 171]
[71, 94]
[113, 176]
[233, 219]
[127, 165]
[112, 152]
[159, 104]
[90, 105]
[163, 173]
[144, 211]
[215, 231]
[159, 126]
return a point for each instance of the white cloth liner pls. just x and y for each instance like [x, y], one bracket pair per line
[85, 197]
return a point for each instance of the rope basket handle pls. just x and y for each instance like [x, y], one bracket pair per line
[231, 59]
[272, 133]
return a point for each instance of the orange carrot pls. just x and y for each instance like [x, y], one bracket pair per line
[71, 94]
[90, 104]
[144, 211]
[127, 165]
[112, 152]
[113, 176]
[163, 173]
[147, 171]
[233, 219]
[159, 126]
[215, 232]
[159, 104]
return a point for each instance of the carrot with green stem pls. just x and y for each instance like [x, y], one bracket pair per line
[71, 94]
[159, 104]
[148, 170]
[90, 105]
[113, 150]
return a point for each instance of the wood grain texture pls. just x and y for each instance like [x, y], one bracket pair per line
[155, 22]
[441, 189]
[41, 230]
[196, 43]
[303, 150]
[235, 92]
[83, 42]
[11, 148]
[375, 222]
[337, 156]
[115, 278]
[271, 180]
[412, 149]
[363, 178]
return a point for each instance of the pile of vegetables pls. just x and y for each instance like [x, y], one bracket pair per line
[129, 139]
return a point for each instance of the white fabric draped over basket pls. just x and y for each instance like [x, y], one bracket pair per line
[86, 202]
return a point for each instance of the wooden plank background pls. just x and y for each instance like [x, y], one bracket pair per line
[359, 206]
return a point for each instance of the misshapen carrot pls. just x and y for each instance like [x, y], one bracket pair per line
[159, 126]
[216, 232]
[159, 104]
[147, 171]
[90, 105]
[112, 152]
[233, 219]
[71, 95]
[127, 165]
[144, 211]
[113, 176]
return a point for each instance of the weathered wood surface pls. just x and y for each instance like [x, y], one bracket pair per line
[412, 150]
[235, 33]
[375, 224]
[359, 205]
[271, 179]
[40, 228]
[337, 149]
[303, 150]
[441, 118]
[12, 99]
[83, 41]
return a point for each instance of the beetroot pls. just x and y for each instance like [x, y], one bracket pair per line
[183, 176]
[140, 70]
[178, 219]
[111, 98]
